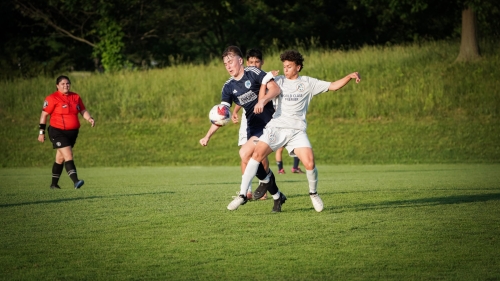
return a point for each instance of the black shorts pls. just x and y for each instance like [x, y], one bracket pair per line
[62, 138]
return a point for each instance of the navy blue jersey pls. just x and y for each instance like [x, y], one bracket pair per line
[245, 92]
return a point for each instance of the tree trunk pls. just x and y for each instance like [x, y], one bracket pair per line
[469, 47]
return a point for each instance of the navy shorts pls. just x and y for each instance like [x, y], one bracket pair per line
[62, 138]
[254, 132]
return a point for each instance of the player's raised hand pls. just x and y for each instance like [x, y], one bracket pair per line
[355, 75]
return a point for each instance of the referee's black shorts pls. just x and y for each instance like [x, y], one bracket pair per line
[62, 138]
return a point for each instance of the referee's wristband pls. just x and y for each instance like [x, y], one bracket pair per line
[42, 132]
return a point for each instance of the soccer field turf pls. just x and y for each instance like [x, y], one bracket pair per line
[389, 222]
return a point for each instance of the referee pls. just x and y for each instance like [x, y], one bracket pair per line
[63, 107]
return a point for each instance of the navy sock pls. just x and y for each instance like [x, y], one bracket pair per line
[296, 162]
[261, 172]
[280, 165]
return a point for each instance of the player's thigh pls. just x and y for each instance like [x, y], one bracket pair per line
[247, 149]
[306, 156]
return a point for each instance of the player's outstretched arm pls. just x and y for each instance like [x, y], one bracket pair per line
[334, 86]
[211, 131]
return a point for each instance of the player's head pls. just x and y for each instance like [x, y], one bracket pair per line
[293, 63]
[233, 60]
[254, 58]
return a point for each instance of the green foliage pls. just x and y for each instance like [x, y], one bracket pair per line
[413, 105]
[382, 222]
[110, 46]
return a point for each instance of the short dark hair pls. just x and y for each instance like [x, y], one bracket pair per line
[60, 78]
[232, 50]
[254, 53]
[295, 56]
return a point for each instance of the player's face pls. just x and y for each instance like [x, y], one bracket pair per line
[233, 65]
[63, 86]
[291, 70]
[253, 61]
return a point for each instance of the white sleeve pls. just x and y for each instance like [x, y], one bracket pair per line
[267, 78]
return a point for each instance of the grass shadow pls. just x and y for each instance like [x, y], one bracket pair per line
[60, 200]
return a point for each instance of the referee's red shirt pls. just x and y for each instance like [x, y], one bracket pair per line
[63, 110]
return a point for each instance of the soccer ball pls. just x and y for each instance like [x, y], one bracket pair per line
[219, 115]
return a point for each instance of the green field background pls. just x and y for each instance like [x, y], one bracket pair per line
[413, 105]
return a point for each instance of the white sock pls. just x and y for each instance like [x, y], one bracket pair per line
[249, 188]
[276, 196]
[250, 172]
[312, 177]
[267, 178]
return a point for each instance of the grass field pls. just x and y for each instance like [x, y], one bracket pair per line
[381, 222]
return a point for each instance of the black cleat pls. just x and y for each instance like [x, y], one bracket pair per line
[55, 186]
[278, 203]
[262, 189]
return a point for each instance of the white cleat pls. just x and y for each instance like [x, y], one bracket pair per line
[238, 201]
[317, 202]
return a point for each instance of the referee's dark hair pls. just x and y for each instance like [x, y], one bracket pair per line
[61, 78]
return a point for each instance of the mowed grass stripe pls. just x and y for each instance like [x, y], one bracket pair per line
[393, 222]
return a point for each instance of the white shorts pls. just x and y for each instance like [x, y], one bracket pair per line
[288, 138]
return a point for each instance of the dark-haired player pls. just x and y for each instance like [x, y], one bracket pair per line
[288, 126]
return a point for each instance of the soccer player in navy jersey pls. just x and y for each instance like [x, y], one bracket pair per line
[254, 58]
[243, 89]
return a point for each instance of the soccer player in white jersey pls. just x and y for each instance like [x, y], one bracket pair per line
[254, 58]
[288, 126]
[244, 88]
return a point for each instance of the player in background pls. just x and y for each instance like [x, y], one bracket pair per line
[244, 88]
[279, 162]
[254, 58]
[288, 126]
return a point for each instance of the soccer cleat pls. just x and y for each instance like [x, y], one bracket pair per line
[79, 184]
[55, 186]
[282, 171]
[317, 202]
[297, 171]
[262, 189]
[278, 203]
[238, 201]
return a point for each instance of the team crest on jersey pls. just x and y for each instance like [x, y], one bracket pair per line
[45, 104]
[248, 84]
[64, 106]
[301, 87]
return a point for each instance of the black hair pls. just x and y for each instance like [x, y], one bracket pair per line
[295, 56]
[60, 78]
[254, 53]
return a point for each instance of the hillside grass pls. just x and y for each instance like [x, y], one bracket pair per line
[414, 105]
[380, 222]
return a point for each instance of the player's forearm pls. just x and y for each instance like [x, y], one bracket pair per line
[273, 90]
[334, 86]
[212, 130]
[43, 117]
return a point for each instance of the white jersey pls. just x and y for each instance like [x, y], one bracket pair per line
[293, 102]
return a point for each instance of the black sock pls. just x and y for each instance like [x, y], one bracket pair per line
[280, 165]
[273, 188]
[296, 162]
[261, 172]
[56, 172]
[71, 169]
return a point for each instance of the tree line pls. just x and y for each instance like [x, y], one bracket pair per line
[51, 36]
